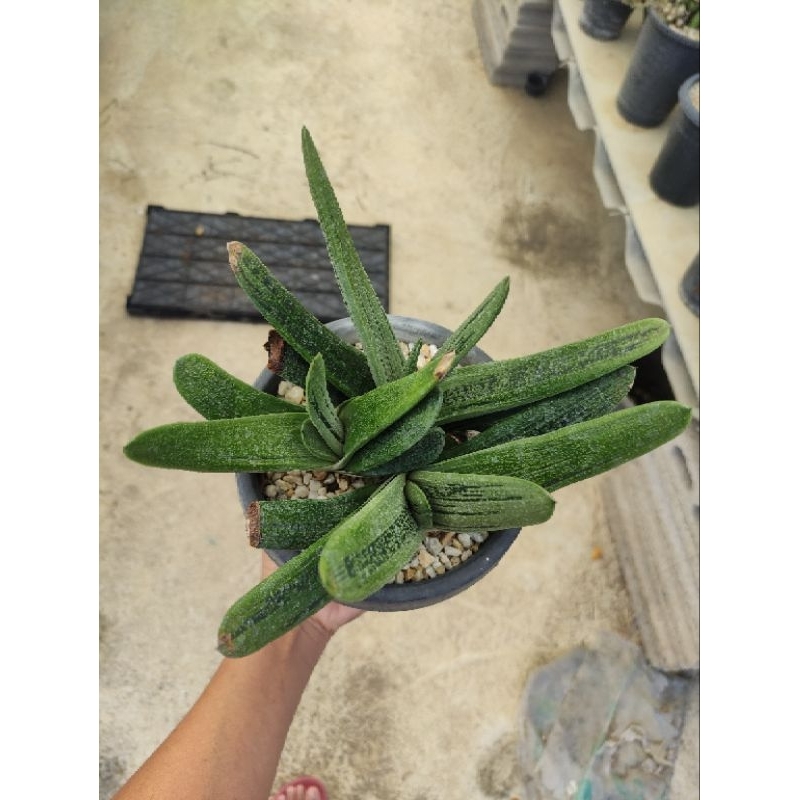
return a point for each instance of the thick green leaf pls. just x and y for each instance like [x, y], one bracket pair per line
[593, 399]
[467, 335]
[480, 389]
[347, 367]
[579, 451]
[399, 437]
[295, 524]
[366, 416]
[424, 452]
[320, 407]
[419, 506]
[245, 444]
[316, 444]
[461, 502]
[366, 550]
[276, 605]
[216, 394]
[285, 361]
[375, 333]
[413, 356]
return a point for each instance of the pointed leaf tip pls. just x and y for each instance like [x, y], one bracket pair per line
[360, 299]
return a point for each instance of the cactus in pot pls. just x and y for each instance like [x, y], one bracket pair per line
[536, 424]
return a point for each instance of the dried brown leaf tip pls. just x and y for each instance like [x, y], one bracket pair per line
[275, 347]
[443, 367]
[254, 524]
[225, 644]
[235, 250]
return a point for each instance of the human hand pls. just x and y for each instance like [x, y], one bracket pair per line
[329, 618]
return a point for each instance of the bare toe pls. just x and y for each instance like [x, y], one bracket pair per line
[299, 789]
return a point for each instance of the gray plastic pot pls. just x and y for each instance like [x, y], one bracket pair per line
[675, 176]
[661, 61]
[405, 596]
[604, 19]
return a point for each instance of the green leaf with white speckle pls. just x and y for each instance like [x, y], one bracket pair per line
[375, 333]
[216, 394]
[460, 502]
[244, 444]
[579, 451]
[348, 369]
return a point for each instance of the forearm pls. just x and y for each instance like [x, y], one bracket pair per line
[229, 744]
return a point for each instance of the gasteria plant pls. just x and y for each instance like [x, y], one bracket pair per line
[543, 420]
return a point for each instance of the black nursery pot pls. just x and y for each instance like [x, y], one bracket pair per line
[675, 176]
[661, 61]
[604, 19]
[690, 286]
[405, 596]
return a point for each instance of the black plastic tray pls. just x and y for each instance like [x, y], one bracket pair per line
[183, 267]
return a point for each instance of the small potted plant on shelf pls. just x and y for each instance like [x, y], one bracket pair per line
[395, 453]
[604, 19]
[690, 286]
[675, 176]
[667, 53]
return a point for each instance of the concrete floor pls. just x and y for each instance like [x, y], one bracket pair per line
[201, 110]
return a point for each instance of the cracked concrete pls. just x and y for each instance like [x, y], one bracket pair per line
[201, 109]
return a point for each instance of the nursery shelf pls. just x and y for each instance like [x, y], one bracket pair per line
[661, 239]
[652, 503]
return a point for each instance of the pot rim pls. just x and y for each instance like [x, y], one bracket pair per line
[687, 106]
[411, 595]
[668, 30]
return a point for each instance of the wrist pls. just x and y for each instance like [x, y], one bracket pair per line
[314, 634]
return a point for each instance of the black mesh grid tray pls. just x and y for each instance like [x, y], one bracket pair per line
[183, 266]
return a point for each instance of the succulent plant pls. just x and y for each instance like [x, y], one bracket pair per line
[543, 421]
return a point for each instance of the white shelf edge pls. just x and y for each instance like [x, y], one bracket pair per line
[638, 266]
[605, 179]
[577, 99]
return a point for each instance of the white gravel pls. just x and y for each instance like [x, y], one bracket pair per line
[439, 552]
